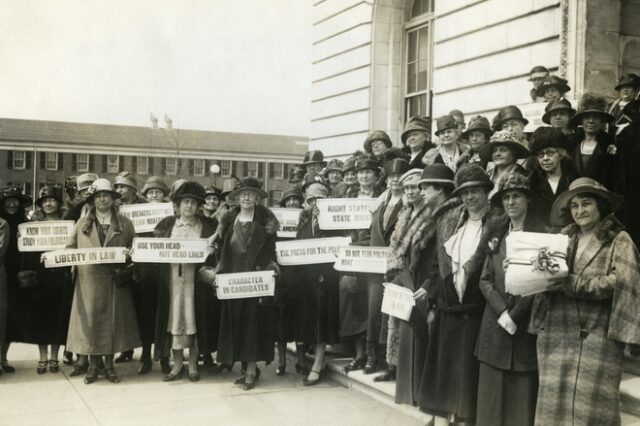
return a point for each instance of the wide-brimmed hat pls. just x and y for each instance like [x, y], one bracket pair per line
[397, 166]
[591, 104]
[101, 185]
[54, 192]
[553, 81]
[250, 184]
[377, 135]
[316, 190]
[291, 193]
[349, 164]
[437, 173]
[538, 72]
[85, 180]
[416, 124]
[628, 80]
[445, 122]
[471, 175]
[548, 137]
[505, 138]
[510, 112]
[211, 189]
[583, 185]
[15, 192]
[229, 185]
[334, 165]
[513, 181]
[189, 189]
[313, 157]
[560, 105]
[127, 179]
[311, 178]
[410, 175]
[155, 182]
[366, 163]
[478, 124]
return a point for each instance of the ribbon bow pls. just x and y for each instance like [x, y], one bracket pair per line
[546, 261]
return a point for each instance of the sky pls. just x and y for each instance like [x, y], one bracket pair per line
[221, 65]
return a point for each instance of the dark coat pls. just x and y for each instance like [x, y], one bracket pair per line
[542, 189]
[602, 165]
[416, 163]
[247, 326]
[207, 308]
[12, 265]
[629, 178]
[4, 245]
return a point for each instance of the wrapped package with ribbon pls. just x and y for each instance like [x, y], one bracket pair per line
[535, 261]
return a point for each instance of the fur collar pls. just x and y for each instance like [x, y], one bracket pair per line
[263, 215]
[164, 227]
[431, 155]
[605, 231]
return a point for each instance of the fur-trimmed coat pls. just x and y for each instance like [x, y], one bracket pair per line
[583, 327]
[432, 156]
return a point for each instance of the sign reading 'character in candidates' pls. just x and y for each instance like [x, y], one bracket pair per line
[44, 235]
[169, 250]
[345, 213]
[146, 216]
[244, 285]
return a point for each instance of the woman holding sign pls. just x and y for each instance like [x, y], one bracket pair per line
[247, 325]
[103, 318]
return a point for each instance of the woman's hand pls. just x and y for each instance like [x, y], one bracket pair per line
[505, 264]
[507, 323]
[419, 294]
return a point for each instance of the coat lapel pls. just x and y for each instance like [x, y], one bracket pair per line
[257, 241]
[111, 232]
[589, 253]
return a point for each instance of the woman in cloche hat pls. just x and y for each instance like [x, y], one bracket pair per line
[584, 321]
[503, 150]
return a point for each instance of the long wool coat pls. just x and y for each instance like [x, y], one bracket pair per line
[103, 317]
[582, 330]
[629, 177]
[207, 307]
[4, 245]
[602, 165]
[540, 185]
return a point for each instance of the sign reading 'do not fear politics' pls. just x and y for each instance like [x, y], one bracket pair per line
[146, 216]
[362, 259]
[243, 285]
[44, 235]
[84, 256]
[345, 213]
[169, 250]
[310, 251]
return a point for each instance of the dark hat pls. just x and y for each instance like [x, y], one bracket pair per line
[291, 193]
[506, 138]
[553, 81]
[366, 163]
[296, 174]
[471, 175]
[397, 166]
[510, 112]
[437, 173]
[334, 165]
[393, 153]
[211, 189]
[314, 157]
[248, 184]
[15, 192]
[591, 104]
[155, 182]
[310, 179]
[560, 105]
[228, 185]
[349, 164]
[512, 182]
[478, 124]
[189, 189]
[49, 192]
[445, 122]
[101, 185]
[416, 123]
[127, 179]
[547, 137]
[538, 72]
[377, 135]
[583, 185]
[628, 80]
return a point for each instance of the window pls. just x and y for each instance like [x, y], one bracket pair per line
[252, 169]
[277, 170]
[142, 165]
[226, 168]
[275, 197]
[19, 161]
[418, 59]
[113, 164]
[25, 186]
[82, 162]
[171, 166]
[51, 160]
[198, 167]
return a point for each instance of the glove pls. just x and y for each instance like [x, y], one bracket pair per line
[507, 323]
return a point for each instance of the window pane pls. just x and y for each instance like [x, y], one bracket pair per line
[113, 164]
[19, 159]
[423, 75]
[225, 168]
[411, 54]
[142, 165]
[171, 166]
[411, 78]
[252, 169]
[198, 167]
[419, 7]
[82, 164]
[423, 43]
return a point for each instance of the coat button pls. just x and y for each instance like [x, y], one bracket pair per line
[321, 278]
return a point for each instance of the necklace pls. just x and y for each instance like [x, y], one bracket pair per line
[512, 229]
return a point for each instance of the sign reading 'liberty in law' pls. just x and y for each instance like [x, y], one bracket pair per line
[85, 256]
[243, 285]
[44, 235]
[169, 250]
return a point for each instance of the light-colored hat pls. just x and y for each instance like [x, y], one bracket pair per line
[101, 185]
[583, 185]
[85, 180]
[410, 176]
[127, 179]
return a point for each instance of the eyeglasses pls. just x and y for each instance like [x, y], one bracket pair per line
[548, 152]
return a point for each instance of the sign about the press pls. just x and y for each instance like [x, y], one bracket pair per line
[245, 284]
[146, 216]
[363, 259]
[45, 235]
[169, 250]
[84, 256]
[397, 301]
[310, 251]
[345, 213]
[288, 219]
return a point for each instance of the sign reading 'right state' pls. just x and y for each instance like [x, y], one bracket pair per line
[345, 213]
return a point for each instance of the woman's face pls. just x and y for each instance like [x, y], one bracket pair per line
[412, 192]
[449, 137]
[11, 205]
[515, 125]
[103, 201]
[502, 156]
[592, 123]
[378, 148]
[247, 199]
[366, 177]
[393, 183]
[515, 204]
[477, 139]
[188, 207]
[155, 196]
[50, 205]
[559, 119]
[335, 177]
[552, 94]
[314, 168]
[429, 192]
[126, 192]
[211, 202]
[475, 199]
[584, 211]
[628, 93]
[416, 140]
[549, 159]
[350, 178]
[292, 202]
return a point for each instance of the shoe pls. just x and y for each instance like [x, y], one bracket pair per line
[194, 377]
[371, 366]
[67, 358]
[239, 380]
[101, 369]
[307, 382]
[110, 375]
[281, 370]
[220, 368]
[124, 356]
[79, 370]
[165, 366]
[170, 377]
[42, 367]
[54, 366]
[251, 380]
[6, 368]
[355, 364]
[145, 367]
[302, 369]
[92, 376]
[207, 361]
[387, 376]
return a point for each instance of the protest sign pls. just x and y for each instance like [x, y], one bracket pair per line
[310, 251]
[288, 219]
[397, 301]
[84, 256]
[363, 259]
[44, 235]
[146, 216]
[345, 213]
[169, 250]
[245, 284]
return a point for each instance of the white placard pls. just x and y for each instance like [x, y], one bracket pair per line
[169, 250]
[245, 284]
[288, 219]
[84, 256]
[44, 235]
[397, 301]
[146, 216]
[363, 259]
[345, 213]
[310, 251]
[533, 112]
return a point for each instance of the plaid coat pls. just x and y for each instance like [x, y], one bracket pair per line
[582, 330]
